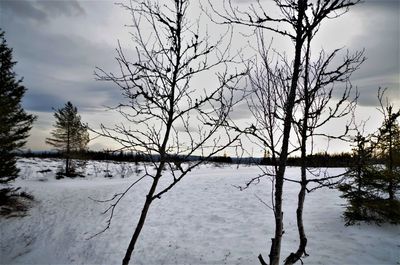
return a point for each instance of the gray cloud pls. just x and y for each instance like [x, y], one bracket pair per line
[240, 112]
[89, 95]
[57, 50]
[23, 9]
[66, 7]
[388, 5]
[58, 67]
[41, 10]
[42, 102]
[373, 25]
[57, 45]
[381, 39]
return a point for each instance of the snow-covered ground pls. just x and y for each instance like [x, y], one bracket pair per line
[203, 220]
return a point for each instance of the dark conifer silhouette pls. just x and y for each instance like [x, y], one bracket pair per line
[15, 123]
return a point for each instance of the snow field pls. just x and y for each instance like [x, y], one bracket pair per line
[203, 220]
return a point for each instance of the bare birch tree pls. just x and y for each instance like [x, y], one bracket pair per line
[167, 114]
[319, 82]
[297, 20]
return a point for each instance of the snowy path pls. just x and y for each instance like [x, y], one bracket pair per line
[204, 220]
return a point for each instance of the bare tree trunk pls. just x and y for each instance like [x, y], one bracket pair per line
[149, 197]
[294, 257]
[67, 164]
[143, 215]
[391, 175]
[275, 251]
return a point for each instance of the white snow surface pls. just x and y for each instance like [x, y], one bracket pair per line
[203, 220]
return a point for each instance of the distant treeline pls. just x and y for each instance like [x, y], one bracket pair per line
[93, 155]
[123, 156]
[316, 160]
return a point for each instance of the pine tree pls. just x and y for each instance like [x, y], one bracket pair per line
[15, 123]
[388, 149]
[371, 188]
[70, 135]
[354, 189]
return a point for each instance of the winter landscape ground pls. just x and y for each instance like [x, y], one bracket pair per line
[204, 220]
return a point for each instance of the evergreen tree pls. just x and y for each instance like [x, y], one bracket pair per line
[354, 189]
[70, 135]
[15, 123]
[371, 188]
[388, 149]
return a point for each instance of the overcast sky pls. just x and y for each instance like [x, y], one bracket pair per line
[58, 44]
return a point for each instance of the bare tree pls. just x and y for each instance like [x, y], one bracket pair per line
[298, 20]
[169, 116]
[318, 84]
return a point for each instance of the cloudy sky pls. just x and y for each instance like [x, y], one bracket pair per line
[58, 44]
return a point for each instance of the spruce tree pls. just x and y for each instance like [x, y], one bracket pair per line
[355, 190]
[15, 123]
[70, 135]
[371, 187]
[388, 150]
